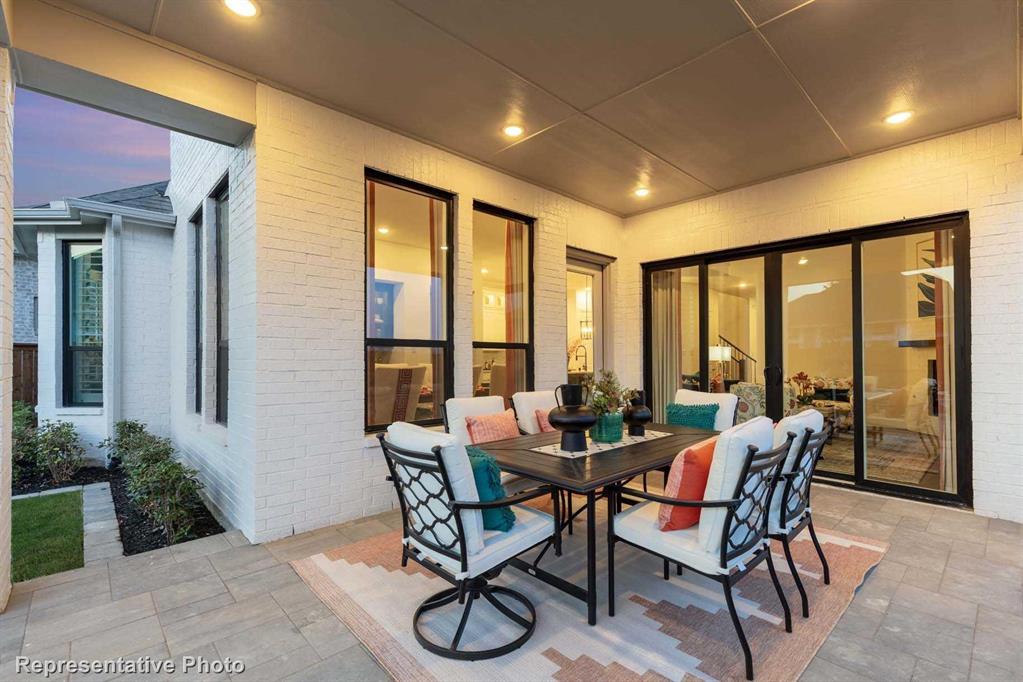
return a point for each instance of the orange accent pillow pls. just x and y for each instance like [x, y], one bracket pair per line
[687, 480]
[485, 428]
[544, 422]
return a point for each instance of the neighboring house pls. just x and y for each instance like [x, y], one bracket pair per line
[92, 287]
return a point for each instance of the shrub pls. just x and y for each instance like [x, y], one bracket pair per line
[164, 489]
[126, 433]
[167, 491]
[59, 449]
[24, 439]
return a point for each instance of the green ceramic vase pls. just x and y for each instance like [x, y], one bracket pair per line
[608, 428]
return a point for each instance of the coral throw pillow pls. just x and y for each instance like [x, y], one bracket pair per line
[687, 480]
[485, 428]
[544, 422]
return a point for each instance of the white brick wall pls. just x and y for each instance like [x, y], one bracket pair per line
[6, 316]
[224, 457]
[25, 291]
[978, 170]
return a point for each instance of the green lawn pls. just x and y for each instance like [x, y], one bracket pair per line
[46, 535]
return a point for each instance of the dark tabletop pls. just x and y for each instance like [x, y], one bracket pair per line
[583, 474]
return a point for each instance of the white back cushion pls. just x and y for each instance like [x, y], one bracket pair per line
[527, 403]
[456, 462]
[729, 456]
[460, 408]
[797, 424]
[727, 402]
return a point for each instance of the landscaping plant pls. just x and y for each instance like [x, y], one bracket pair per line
[126, 433]
[24, 439]
[606, 394]
[59, 449]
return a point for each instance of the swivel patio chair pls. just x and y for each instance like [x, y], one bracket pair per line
[730, 539]
[790, 504]
[442, 531]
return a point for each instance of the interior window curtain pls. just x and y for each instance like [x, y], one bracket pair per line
[944, 321]
[371, 232]
[437, 267]
[514, 300]
[665, 337]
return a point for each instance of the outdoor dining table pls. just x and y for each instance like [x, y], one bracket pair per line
[587, 475]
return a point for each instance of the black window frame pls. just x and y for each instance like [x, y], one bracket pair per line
[222, 194]
[447, 345]
[959, 223]
[197, 302]
[67, 350]
[530, 224]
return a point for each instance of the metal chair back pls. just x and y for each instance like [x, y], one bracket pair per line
[746, 523]
[795, 493]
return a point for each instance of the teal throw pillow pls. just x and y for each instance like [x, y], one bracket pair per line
[488, 486]
[696, 416]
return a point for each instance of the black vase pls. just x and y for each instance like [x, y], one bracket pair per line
[572, 417]
[637, 414]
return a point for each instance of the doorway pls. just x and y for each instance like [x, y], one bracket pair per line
[867, 326]
[585, 304]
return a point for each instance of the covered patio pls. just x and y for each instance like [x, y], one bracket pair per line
[778, 243]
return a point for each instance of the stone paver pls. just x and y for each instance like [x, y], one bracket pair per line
[936, 608]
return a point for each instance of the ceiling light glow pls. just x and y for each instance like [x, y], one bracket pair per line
[383, 230]
[243, 8]
[641, 192]
[898, 117]
[513, 131]
[803, 261]
[484, 271]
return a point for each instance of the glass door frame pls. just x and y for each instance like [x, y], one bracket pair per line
[772, 252]
[596, 264]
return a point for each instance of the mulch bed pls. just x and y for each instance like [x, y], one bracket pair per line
[138, 533]
[38, 480]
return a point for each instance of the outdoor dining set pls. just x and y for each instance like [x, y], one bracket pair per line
[498, 483]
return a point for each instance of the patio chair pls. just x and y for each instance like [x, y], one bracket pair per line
[455, 410]
[526, 403]
[730, 539]
[790, 503]
[442, 531]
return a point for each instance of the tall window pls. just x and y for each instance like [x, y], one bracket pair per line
[408, 289]
[502, 310]
[197, 303]
[83, 323]
[223, 224]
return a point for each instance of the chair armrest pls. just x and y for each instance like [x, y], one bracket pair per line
[524, 496]
[679, 503]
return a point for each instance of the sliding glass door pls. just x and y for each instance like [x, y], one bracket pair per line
[867, 326]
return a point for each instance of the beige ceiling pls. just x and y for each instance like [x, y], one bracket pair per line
[685, 97]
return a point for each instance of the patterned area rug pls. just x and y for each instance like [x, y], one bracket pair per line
[677, 629]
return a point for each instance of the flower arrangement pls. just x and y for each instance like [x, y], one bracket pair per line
[804, 387]
[606, 395]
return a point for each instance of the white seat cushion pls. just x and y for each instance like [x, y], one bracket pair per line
[458, 409]
[531, 527]
[727, 403]
[639, 525]
[729, 457]
[456, 462]
[527, 403]
[797, 424]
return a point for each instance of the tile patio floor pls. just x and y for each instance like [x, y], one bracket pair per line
[945, 604]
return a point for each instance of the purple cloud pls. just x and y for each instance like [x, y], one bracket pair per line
[63, 149]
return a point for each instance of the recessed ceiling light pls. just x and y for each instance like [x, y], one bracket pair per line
[243, 8]
[898, 117]
[484, 271]
[743, 285]
[641, 192]
[444, 247]
[804, 260]
[513, 131]
[383, 230]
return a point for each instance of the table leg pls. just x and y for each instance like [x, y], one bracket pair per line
[591, 557]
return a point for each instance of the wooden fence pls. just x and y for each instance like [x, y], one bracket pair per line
[26, 366]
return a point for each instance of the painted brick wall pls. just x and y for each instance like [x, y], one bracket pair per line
[313, 466]
[6, 316]
[978, 170]
[146, 326]
[224, 457]
[25, 291]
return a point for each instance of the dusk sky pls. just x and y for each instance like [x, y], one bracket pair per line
[68, 150]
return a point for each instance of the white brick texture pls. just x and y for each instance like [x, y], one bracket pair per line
[979, 170]
[6, 316]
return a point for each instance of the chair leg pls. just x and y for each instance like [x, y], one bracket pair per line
[611, 556]
[644, 481]
[820, 553]
[678, 569]
[781, 594]
[666, 572]
[738, 630]
[571, 518]
[795, 577]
